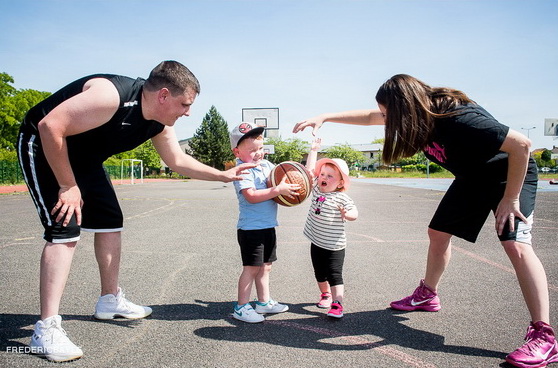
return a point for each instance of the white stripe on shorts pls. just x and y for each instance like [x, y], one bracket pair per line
[35, 194]
[103, 230]
[524, 230]
[61, 241]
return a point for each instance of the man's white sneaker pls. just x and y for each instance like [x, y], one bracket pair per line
[113, 306]
[246, 313]
[50, 341]
[271, 307]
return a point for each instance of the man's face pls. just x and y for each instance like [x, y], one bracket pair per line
[174, 107]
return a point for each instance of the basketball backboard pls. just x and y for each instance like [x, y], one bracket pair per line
[551, 127]
[267, 117]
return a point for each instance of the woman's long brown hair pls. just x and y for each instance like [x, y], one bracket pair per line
[411, 107]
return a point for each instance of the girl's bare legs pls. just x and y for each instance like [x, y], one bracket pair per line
[337, 293]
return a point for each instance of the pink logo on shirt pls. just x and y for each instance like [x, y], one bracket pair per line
[437, 151]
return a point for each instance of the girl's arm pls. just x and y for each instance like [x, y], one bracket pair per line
[350, 215]
[313, 155]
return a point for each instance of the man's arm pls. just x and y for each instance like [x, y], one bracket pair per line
[168, 148]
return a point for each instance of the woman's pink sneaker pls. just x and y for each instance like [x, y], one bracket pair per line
[423, 298]
[539, 350]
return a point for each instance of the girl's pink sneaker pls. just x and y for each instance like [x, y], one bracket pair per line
[325, 301]
[336, 310]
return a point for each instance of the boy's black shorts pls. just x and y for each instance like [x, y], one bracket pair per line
[257, 247]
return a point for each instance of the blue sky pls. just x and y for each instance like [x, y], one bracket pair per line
[304, 57]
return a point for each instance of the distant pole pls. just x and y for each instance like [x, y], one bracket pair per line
[427, 168]
[528, 129]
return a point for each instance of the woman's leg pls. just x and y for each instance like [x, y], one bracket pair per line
[439, 255]
[532, 279]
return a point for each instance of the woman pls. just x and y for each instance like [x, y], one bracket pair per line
[456, 133]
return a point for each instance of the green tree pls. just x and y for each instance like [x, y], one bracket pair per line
[417, 159]
[345, 152]
[148, 154]
[211, 144]
[116, 160]
[546, 155]
[8, 122]
[145, 152]
[8, 155]
[293, 149]
[14, 104]
[544, 158]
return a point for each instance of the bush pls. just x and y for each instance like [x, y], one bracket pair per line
[422, 168]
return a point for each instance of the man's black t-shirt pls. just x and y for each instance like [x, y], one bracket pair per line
[126, 130]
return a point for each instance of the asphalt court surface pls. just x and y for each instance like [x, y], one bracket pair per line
[180, 256]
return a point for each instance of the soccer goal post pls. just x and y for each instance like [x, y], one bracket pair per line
[131, 168]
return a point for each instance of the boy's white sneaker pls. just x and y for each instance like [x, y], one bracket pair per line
[113, 306]
[246, 313]
[50, 341]
[271, 307]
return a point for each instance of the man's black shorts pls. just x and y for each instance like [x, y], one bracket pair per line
[100, 212]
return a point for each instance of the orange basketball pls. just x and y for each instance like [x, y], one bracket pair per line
[296, 173]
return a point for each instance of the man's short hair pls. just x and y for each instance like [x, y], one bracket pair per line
[174, 76]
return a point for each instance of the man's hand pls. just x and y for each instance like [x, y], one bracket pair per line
[234, 173]
[69, 203]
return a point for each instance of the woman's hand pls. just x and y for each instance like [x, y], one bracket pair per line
[315, 122]
[507, 211]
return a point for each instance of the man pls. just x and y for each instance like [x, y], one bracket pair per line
[62, 145]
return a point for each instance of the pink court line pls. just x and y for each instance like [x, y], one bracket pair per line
[385, 350]
[497, 265]
[461, 250]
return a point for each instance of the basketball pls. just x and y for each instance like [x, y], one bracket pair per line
[296, 173]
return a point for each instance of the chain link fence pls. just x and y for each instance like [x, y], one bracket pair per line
[10, 173]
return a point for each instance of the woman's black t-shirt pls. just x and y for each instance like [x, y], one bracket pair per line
[468, 144]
